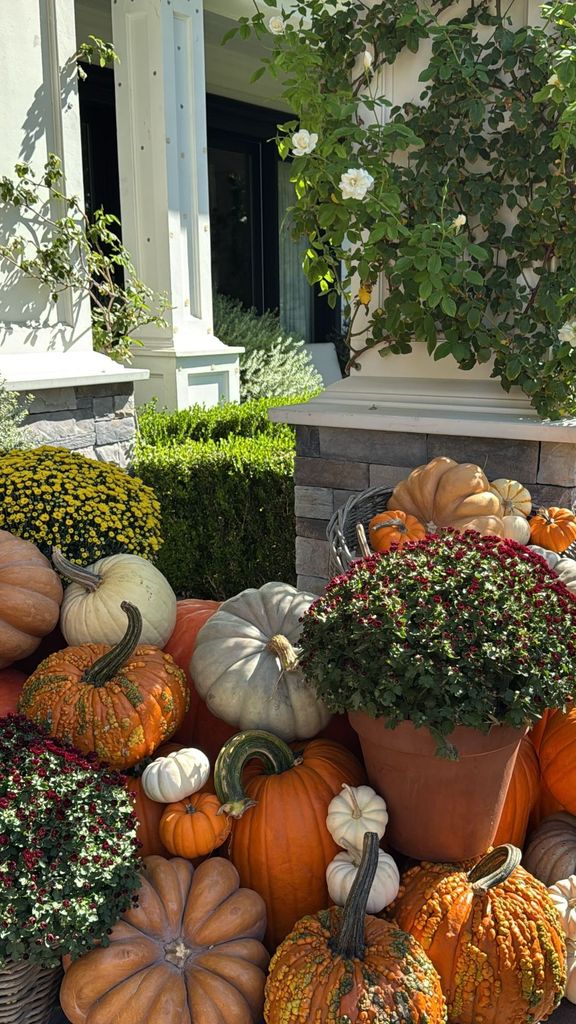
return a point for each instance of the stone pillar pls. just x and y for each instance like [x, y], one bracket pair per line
[160, 107]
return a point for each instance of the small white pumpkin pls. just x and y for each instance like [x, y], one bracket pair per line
[516, 499]
[354, 811]
[550, 557]
[176, 776]
[563, 895]
[91, 612]
[342, 871]
[570, 992]
[245, 664]
[565, 569]
[516, 528]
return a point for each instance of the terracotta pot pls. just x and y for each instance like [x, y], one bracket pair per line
[440, 810]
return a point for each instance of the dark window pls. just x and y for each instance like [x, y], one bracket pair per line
[99, 146]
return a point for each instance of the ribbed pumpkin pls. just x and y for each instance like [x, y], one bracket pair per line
[557, 755]
[493, 935]
[448, 493]
[118, 702]
[30, 598]
[516, 499]
[551, 851]
[11, 683]
[553, 528]
[342, 965]
[194, 827]
[188, 953]
[394, 527]
[280, 843]
[521, 797]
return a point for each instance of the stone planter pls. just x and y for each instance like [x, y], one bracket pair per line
[28, 993]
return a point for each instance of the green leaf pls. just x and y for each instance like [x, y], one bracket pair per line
[434, 263]
[448, 305]
[257, 74]
[473, 317]
[425, 289]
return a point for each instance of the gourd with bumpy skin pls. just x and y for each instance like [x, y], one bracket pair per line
[194, 827]
[30, 598]
[91, 610]
[553, 528]
[551, 851]
[388, 528]
[445, 493]
[493, 935]
[119, 703]
[342, 871]
[354, 811]
[516, 499]
[280, 843]
[177, 775]
[245, 664]
[563, 896]
[188, 952]
[346, 966]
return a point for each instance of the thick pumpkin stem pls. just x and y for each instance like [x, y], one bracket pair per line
[243, 747]
[351, 940]
[106, 667]
[284, 651]
[396, 524]
[494, 868]
[76, 573]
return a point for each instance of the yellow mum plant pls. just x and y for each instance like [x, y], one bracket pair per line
[59, 498]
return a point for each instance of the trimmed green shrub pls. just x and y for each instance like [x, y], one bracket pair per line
[200, 424]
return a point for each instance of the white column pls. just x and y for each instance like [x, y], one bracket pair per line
[162, 150]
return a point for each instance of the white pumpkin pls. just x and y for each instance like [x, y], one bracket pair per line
[245, 664]
[565, 569]
[516, 528]
[563, 895]
[342, 871]
[516, 499]
[550, 557]
[570, 992]
[91, 611]
[354, 811]
[176, 776]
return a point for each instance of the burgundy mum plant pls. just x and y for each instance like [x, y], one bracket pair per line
[68, 847]
[455, 629]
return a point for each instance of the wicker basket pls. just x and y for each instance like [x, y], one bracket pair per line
[28, 992]
[342, 528]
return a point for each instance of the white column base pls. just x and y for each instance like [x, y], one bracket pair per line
[205, 376]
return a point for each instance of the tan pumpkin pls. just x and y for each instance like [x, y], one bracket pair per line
[516, 499]
[188, 953]
[445, 493]
[551, 851]
[30, 598]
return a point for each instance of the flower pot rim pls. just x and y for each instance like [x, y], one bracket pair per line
[468, 740]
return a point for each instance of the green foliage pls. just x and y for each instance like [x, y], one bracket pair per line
[273, 363]
[13, 411]
[57, 244]
[224, 478]
[463, 203]
[59, 498]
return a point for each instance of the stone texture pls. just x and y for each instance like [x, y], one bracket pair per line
[385, 448]
[124, 405]
[104, 406]
[312, 584]
[497, 457]
[388, 476]
[110, 431]
[121, 453]
[340, 497]
[53, 400]
[314, 529]
[307, 441]
[63, 430]
[545, 494]
[313, 502]
[327, 473]
[312, 557]
[557, 464]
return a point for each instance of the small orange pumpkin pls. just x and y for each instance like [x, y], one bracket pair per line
[553, 528]
[194, 827]
[395, 527]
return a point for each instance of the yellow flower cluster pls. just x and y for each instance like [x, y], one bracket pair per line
[59, 498]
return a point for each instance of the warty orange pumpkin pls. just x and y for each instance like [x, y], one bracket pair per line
[445, 493]
[30, 598]
[188, 953]
[344, 965]
[493, 935]
[280, 843]
[521, 798]
[118, 702]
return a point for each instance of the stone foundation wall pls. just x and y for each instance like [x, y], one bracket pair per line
[334, 463]
[97, 420]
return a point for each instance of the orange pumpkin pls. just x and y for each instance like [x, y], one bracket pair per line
[30, 598]
[521, 797]
[445, 493]
[553, 528]
[493, 935]
[119, 702]
[190, 951]
[537, 731]
[388, 528]
[558, 757]
[280, 843]
[194, 827]
[545, 806]
[344, 965]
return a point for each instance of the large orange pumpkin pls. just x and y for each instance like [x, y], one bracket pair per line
[553, 528]
[521, 797]
[280, 843]
[30, 598]
[493, 935]
[188, 953]
[558, 757]
[118, 702]
[447, 493]
[342, 965]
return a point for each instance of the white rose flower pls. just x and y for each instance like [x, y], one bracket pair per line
[276, 25]
[303, 142]
[355, 183]
[568, 333]
[555, 81]
[459, 221]
[367, 60]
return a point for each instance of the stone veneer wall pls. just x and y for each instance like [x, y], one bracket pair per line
[97, 420]
[334, 463]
